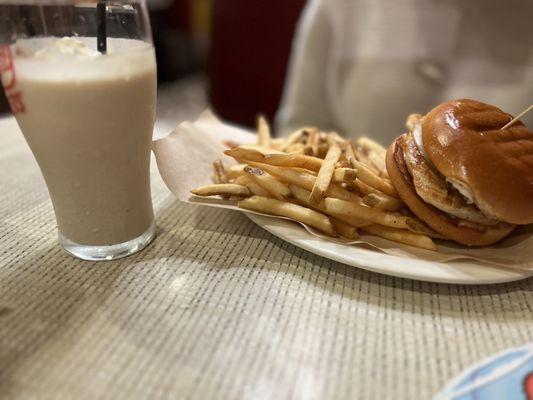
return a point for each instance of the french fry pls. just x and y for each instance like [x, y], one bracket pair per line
[222, 189]
[348, 151]
[306, 181]
[302, 196]
[297, 137]
[343, 229]
[289, 210]
[379, 163]
[277, 144]
[335, 190]
[374, 154]
[230, 144]
[313, 140]
[263, 133]
[363, 188]
[344, 175]
[242, 180]
[401, 236]
[361, 155]
[343, 207]
[325, 174]
[234, 171]
[371, 179]
[272, 157]
[371, 145]
[251, 153]
[322, 150]
[296, 148]
[304, 171]
[305, 177]
[299, 149]
[219, 172]
[334, 137]
[364, 159]
[383, 202]
[293, 160]
[277, 189]
[290, 175]
[344, 164]
[245, 180]
[307, 151]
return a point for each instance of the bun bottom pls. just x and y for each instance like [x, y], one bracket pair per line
[435, 218]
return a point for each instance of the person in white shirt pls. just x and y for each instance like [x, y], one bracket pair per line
[361, 66]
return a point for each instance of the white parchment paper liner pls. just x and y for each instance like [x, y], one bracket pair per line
[184, 159]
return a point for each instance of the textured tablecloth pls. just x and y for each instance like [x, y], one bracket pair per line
[217, 308]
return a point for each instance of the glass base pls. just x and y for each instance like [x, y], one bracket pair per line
[108, 253]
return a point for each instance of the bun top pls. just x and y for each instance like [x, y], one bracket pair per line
[464, 141]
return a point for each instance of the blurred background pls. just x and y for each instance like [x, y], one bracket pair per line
[231, 54]
[361, 66]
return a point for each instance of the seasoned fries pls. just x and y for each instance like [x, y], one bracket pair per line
[363, 188]
[298, 137]
[251, 153]
[222, 189]
[342, 174]
[245, 180]
[235, 171]
[312, 141]
[277, 144]
[277, 189]
[343, 207]
[293, 211]
[372, 146]
[306, 180]
[302, 196]
[367, 176]
[292, 160]
[401, 236]
[219, 172]
[325, 174]
[319, 179]
[343, 229]
[373, 153]
[263, 133]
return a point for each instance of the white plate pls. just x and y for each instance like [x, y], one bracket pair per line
[457, 272]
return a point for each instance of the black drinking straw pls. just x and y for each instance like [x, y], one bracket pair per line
[101, 35]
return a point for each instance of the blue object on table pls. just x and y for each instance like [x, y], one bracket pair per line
[505, 376]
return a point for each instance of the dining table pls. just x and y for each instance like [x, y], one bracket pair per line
[218, 308]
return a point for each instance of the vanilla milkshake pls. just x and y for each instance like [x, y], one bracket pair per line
[88, 118]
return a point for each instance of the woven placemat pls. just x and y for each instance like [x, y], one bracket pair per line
[217, 308]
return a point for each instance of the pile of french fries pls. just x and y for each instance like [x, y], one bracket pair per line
[334, 185]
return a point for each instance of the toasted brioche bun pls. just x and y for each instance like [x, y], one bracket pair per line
[432, 216]
[464, 141]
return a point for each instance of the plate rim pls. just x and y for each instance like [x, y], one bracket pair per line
[498, 275]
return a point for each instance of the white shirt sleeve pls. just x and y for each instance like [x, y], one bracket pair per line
[304, 101]
[361, 66]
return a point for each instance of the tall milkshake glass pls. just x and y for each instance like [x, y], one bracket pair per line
[81, 81]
